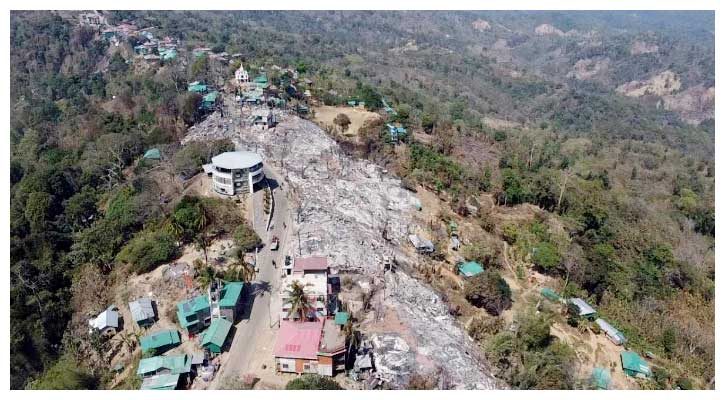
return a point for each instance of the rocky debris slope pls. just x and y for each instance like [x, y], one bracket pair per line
[355, 213]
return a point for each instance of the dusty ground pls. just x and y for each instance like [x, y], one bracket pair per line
[324, 116]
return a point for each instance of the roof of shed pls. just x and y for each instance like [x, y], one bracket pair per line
[231, 292]
[584, 307]
[298, 339]
[193, 305]
[176, 364]
[217, 332]
[160, 339]
[632, 361]
[470, 268]
[161, 382]
[142, 309]
[312, 263]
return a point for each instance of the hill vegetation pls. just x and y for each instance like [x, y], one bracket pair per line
[629, 180]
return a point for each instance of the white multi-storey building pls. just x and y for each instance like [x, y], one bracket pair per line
[236, 172]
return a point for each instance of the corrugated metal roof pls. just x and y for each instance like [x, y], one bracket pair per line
[601, 377]
[298, 339]
[142, 309]
[611, 331]
[211, 97]
[470, 268]
[550, 294]
[584, 308]
[341, 318]
[312, 263]
[633, 362]
[161, 382]
[217, 332]
[160, 339]
[231, 292]
[179, 364]
[193, 305]
[108, 318]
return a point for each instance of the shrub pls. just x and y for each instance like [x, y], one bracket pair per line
[489, 291]
[534, 331]
[482, 327]
[510, 233]
[313, 382]
[246, 238]
[684, 383]
[147, 250]
[65, 374]
[546, 256]
[343, 121]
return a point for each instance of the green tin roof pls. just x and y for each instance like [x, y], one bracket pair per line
[601, 378]
[633, 362]
[217, 333]
[261, 79]
[153, 154]
[470, 268]
[190, 307]
[231, 292]
[161, 382]
[176, 364]
[341, 318]
[160, 339]
[197, 87]
[211, 97]
[550, 294]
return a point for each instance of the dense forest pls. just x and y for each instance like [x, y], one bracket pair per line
[529, 114]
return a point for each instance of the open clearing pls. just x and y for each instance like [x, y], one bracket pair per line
[324, 116]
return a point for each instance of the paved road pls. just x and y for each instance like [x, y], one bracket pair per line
[257, 327]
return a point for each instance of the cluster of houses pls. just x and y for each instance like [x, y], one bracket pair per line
[156, 49]
[312, 343]
[210, 97]
[632, 363]
[208, 319]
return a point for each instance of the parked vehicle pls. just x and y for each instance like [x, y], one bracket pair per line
[275, 243]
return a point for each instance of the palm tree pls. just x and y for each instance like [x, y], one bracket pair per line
[240, 270]
[299, 303]
[352, 336]
[207, 276]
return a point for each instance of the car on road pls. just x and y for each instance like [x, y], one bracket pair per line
[275, 243]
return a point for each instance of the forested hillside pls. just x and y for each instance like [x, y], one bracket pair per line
[603, 120]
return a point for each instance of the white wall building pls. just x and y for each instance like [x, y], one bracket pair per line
[241, 75]
[315, 288]
[236, 172]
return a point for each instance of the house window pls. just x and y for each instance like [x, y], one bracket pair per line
[285, 366]
[307, 367]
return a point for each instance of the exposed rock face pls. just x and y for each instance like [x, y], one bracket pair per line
[439, 337]
[641, 47]
[589, 69]
[694, 104]
[546, 29]
[481, 25]
[354, 213]
[666, 82]
[394, 361]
